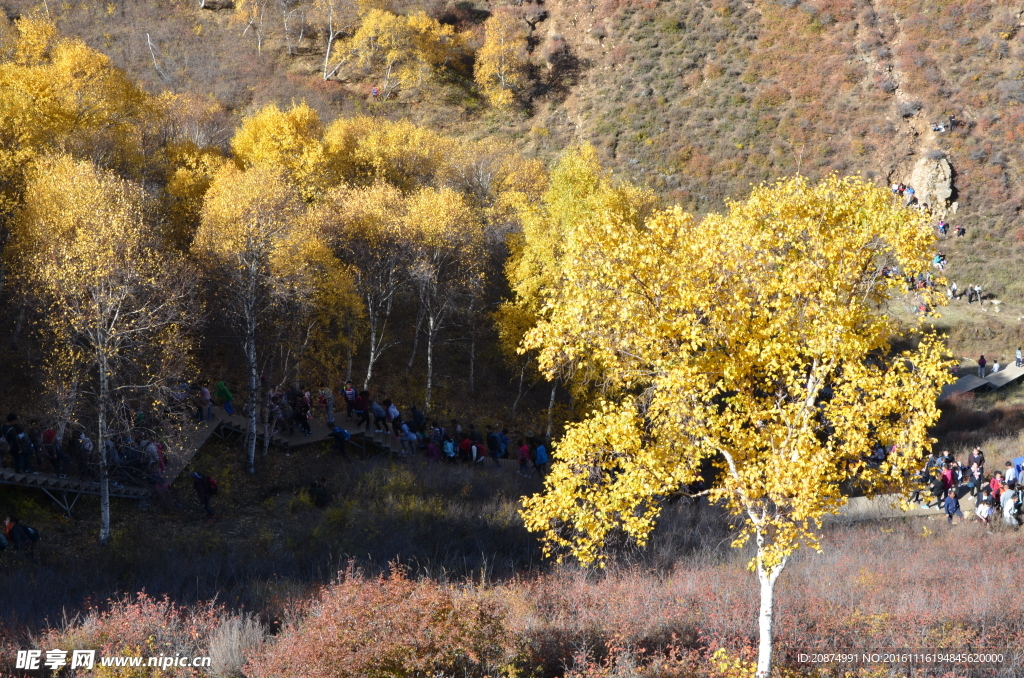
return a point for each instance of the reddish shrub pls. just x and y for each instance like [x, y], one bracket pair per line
[390, 626]
[142, 626]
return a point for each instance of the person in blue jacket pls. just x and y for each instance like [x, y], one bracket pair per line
[952, 506]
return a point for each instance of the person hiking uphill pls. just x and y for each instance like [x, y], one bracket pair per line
[226, 399]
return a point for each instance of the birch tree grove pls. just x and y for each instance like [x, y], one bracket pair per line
[245, 238]
[764, 348]
[367, 228]
[116, 305]
[446, 264]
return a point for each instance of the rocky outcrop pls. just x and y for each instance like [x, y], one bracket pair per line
[932, 179]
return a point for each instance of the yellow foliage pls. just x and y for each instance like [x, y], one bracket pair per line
[755, 339]
[248, 218]
[78, 224]
[501, 62]
[290, 140]
[36, 35]
[365, 150]
[60, 95]
[114, 304]
[578, 192]
[191, 171]
[403, 50]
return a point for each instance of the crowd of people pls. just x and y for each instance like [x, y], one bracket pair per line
[452, 444]
[132, 458]
[292, 409]
[948, 481]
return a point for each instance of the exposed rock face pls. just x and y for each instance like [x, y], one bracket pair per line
[933, 183]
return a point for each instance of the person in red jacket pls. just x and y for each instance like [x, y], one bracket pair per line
[996, 484]
[361, 407]
[947, 477]
[465, 449]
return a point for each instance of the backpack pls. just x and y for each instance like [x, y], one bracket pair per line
[449, 448]
[31, 532]
[212, 485]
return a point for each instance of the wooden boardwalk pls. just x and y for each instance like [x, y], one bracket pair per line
[65, 492]
[972, 382]
[887, 507]
[363, 437]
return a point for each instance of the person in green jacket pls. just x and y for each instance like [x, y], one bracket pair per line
[224, 395]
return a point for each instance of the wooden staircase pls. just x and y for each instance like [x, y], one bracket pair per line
[65, 492]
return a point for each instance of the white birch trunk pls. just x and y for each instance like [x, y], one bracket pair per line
[348, 356]
[376, 338]
[519, 393]
[415, 340]
[767, 578]
[430, 362]
[472, 360]
[253, 399]
[373, 355]
[101, 446]
[330, 42]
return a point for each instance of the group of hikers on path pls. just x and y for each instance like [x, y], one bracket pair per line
[948, 481]
[292, 409]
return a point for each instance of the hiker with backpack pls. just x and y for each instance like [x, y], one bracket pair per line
[351, 395]
[52, 451]
[393, 418]
[449, 449]
[302, 414]
[205, 487]
[205, 403]
[952, 507]
[540, 458]
[406, 438]
[380, 416]
[361, 408]
[433, 449]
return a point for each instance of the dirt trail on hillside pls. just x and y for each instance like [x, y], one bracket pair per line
[914, 132]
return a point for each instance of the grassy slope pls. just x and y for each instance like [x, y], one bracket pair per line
[701, 99]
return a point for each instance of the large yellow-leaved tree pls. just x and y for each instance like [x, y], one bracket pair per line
[447, 261]
[253, 240]
[287, 139]
[501, 63]
[403, 50]
[756, 339]
[367, 229]
[114, 306]
[59, 95]
[579, 192]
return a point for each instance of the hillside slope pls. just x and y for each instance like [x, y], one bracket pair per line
[697, 99]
